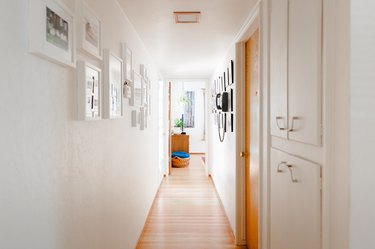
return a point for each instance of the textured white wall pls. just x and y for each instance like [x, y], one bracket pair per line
[221, 155]
[362, 199]
[66, 183]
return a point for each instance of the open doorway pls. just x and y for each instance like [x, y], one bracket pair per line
[188, 117]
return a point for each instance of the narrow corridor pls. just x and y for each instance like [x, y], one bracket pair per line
[187, 213]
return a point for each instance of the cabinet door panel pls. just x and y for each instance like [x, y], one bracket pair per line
[304, 71]
[279, 203]
[278, 67]
[295, 206]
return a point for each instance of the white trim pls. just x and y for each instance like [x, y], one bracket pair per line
[264, 158]
[328, 75]
[254, 14]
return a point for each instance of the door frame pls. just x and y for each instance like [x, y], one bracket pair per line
[256, 20]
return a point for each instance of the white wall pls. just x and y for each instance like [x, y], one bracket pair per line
[196, 134]
[362, 132]
[221, 155]
[66, 183]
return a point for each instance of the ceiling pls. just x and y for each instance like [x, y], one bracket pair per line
[187, 50]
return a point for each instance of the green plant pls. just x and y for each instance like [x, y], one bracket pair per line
[178, 122]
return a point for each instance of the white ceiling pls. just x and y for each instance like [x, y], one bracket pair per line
[187, 50]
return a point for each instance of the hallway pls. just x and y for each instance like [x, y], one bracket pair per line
[187, 213]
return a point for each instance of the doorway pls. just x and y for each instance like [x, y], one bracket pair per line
[187, 117]
[252, 121]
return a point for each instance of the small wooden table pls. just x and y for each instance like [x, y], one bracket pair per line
[180, 143]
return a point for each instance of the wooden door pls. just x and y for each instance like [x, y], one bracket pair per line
[295, 203]
[252, 140]
[304, 71]
[279, 68]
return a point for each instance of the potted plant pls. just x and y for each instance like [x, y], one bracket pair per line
[179, 122]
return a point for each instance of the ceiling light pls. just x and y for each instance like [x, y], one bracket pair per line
[187, 16]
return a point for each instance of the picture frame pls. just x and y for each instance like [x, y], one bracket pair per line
[127, 55]
[89, 91]
[112, 90]
[52, 32]
[142, 118]
[225, 81]
[143, 71]
[231, 72]
[133, 118]
[138, 93]
[89, 30]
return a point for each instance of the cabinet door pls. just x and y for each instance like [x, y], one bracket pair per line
[295, 206]
[304, 71]
[278, 67]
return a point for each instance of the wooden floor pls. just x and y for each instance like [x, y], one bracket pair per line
[187, 213]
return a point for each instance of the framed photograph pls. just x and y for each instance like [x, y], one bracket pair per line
[138, 91]
[51, 31]
[142, 118]
[127, 66]
[89, 30]
[134, 118]
[228, 77]
[231, 73]
[89, 81]
[112, 91]
[143, 71]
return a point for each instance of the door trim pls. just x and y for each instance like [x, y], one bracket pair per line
[251, 25]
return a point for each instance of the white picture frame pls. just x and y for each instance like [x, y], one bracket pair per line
[133, 118]
[89, 91]
[143, 71]
[137, 99]
[89, 30]
[112, 90]
[52, 32]
[142, 118]
[127, 57]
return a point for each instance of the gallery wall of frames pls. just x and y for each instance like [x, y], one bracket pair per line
[56, 33]
[222, 94]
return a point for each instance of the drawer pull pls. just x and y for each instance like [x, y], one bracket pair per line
[292, 125]
[290, 168]
[278, 125]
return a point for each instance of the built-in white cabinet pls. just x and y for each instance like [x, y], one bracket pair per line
[296, 70]
[295, 200]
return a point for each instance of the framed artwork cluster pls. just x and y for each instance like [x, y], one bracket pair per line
[56, 33]
[222, 89]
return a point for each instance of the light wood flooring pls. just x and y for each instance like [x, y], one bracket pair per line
[187, 213]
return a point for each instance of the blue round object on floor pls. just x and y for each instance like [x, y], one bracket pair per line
[180, 154]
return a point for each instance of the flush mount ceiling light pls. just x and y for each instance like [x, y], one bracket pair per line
[187, 16]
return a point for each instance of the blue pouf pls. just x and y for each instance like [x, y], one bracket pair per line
[180, 154]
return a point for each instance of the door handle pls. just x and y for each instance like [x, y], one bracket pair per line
[244, 154]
